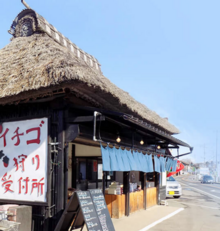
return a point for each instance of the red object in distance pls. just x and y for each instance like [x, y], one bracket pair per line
[95, 166]
[179, 167]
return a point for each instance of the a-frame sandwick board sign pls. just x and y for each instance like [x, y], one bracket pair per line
[86, 207]
[71, 217]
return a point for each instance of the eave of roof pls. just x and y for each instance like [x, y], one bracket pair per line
[133, 121]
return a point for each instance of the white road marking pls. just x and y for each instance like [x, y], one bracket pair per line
[162, 219]
[212, 191]
[202, 191]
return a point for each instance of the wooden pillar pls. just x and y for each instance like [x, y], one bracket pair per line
[71, 132]
[157, 182]
[106, 181]
[60, 159]
[143, 186]
[66, 163]
[49, 171]
[126, 189]
[74, 167]
[103, 182]
[97, 180]
[47, 212]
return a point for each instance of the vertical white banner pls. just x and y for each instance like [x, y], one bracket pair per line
[23, 160]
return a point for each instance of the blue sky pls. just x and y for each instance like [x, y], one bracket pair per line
[164, 53]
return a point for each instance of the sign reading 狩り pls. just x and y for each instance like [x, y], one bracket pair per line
[23, 160]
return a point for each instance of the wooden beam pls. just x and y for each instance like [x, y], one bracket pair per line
[87, 133]
[82, 119]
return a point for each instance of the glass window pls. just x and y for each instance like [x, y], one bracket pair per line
[89, 174]
[81, 173]
[81, 182]
[91, 170]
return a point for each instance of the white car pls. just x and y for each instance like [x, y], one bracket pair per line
[173, 188]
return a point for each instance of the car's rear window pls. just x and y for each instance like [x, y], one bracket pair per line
[170, 179]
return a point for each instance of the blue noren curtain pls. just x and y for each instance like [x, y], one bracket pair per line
[162, 164]
[123, 160]
[156, 164]
[174, 164]
[113, 159]
[105, 159]
[168, 164]
[132, 161]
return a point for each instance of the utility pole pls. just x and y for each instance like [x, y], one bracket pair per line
[216, 177]
[204, 154]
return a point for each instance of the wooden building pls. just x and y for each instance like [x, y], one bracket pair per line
[55, 97]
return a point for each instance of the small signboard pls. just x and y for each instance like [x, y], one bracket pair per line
[23, 160]
[86, 207]
[101, 209]
[88, 210]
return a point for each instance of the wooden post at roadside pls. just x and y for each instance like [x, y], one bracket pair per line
[143, 186]
[157, 181]
[126, 189]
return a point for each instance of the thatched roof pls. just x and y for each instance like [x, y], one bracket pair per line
[39, 64]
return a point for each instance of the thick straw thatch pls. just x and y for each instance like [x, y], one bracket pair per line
[37, 65]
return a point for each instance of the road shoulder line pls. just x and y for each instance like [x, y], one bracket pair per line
[199, 190]
[162, 219]
[203, 206]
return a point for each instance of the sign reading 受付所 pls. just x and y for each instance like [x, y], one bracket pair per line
[23, 160]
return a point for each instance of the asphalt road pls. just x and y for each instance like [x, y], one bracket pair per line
[212, 189]
[201, 203]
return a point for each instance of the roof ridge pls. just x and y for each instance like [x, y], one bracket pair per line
[40, 24]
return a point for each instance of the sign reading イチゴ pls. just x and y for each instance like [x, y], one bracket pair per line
[23, 160]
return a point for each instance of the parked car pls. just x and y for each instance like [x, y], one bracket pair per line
[173, 188]
[207, 179]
